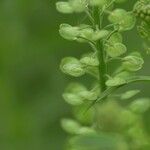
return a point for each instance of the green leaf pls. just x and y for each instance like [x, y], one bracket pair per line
[72, 66]
[64, 7]
[70, 126]
[90, 59]
[129, 94]
[140, 105]
[116, 49]
[68, 32]
[133, 62]
[116, 81]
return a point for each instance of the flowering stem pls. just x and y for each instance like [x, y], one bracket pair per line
[101, 53]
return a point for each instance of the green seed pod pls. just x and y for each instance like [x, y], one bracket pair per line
[68, 32]
[72, 66]
[70, 126]
[129, 94]
[140, 105]
[90, 59]
[99, 34]
[89, 34]
[115, 38]
[64, 7]
[115, 81]
[72, 94]
[133, 62]
[78, 5]
[116, 49]
[124, 19]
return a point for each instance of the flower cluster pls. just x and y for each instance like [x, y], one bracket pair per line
[142, 11]
[107, 46]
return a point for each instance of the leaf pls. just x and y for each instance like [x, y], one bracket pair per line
[72, 66]
[116, 49]
[129, 94]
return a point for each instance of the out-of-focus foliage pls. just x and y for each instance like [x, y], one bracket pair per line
[30, 81]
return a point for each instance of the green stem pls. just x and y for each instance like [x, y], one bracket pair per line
[100, 51]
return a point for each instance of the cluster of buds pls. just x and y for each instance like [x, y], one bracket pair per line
[142, 10]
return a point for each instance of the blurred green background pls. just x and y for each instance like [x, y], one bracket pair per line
[31, 84]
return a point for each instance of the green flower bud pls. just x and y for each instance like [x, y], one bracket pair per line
[70, 126]
[116, 81]
[140, 105]
[125, 20]
[90, 59]
[64, 7]
[133, 62]
[129, 94]
[68, 32]
[72, 66]
[116, 49]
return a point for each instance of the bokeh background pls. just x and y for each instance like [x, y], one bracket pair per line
[31, 84]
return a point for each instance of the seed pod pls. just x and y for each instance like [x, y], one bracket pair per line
[72, 66]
